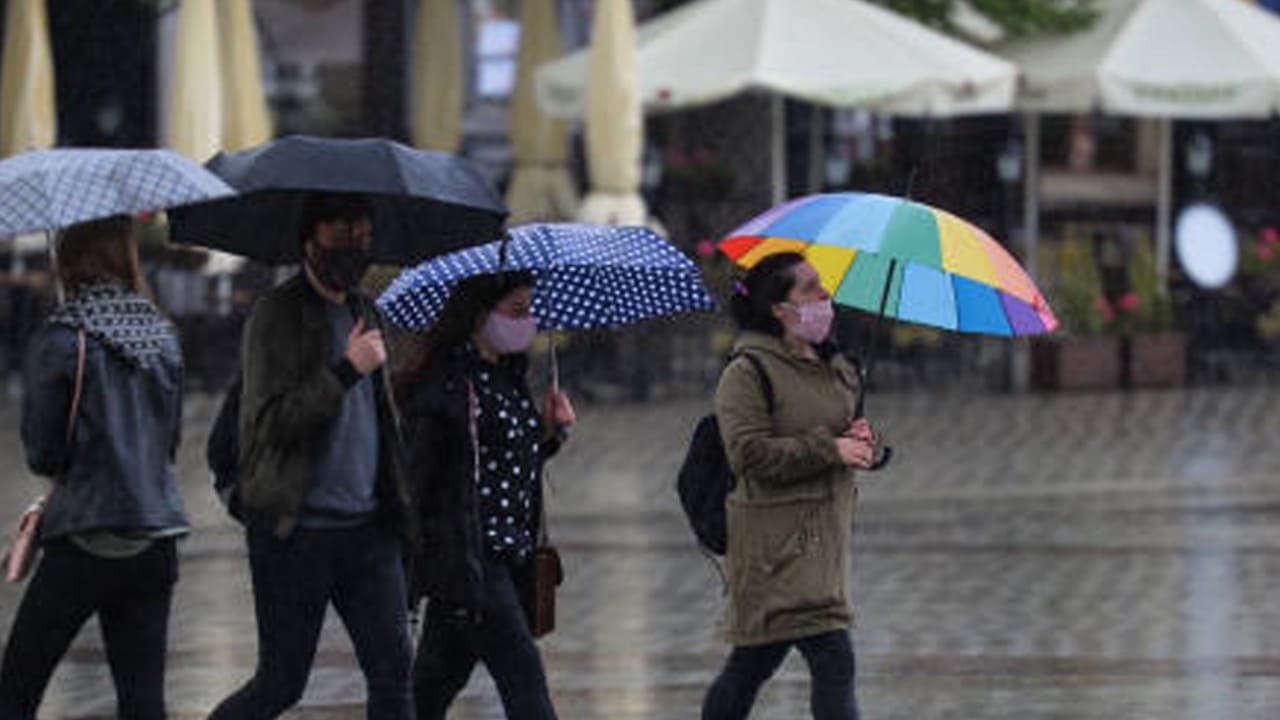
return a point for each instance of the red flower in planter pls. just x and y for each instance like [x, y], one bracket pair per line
[1129, 302]
[1265, 252]
[1271, 236]
[706, 248]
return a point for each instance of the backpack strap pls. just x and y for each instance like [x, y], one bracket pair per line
[766, 385]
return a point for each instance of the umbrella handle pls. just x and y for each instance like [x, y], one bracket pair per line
[886, 454]
[886, 451]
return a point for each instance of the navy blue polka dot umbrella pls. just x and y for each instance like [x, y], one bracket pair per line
[589, 276]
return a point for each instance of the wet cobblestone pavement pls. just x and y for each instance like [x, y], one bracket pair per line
[1091, 557]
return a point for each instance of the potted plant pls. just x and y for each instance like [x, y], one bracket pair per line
[1260, 268]
[1084, 356]
[1156, 354]
[1268, 326]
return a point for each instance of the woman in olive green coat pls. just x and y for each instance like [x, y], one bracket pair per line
[790, 516]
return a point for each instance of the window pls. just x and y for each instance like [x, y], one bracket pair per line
[497, 44]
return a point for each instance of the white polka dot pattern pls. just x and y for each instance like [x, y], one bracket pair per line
[589, 276]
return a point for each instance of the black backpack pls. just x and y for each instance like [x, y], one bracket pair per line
[705, 479]
[223, 451]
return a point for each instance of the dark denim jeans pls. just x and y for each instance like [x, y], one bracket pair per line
[294, 580]
[130, 596]
[453, 641]
[831, 665]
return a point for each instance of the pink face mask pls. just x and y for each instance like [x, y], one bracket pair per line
[508, 335]
[814, 322]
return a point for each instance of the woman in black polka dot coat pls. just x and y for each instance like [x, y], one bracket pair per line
[478, 441]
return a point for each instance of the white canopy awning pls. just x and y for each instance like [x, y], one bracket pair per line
[1192, 59]
[1169, 59]
[841, 53]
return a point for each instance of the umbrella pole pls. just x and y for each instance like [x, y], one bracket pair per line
[778, 151]
[1164, 206]
[58, 290]
[865, 369]
[555, 364]
[1031, 193]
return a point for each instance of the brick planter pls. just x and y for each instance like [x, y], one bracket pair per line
[1157, 360]
[1086, 362]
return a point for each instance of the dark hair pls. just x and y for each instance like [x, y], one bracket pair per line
[470, 300]
[100, 251]
[767, 283]
[318, 207]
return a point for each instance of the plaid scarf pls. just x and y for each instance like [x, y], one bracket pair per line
[125, 322]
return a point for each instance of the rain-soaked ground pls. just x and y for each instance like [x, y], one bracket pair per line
[1092, 557]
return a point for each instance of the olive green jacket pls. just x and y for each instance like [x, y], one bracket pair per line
[790, 516]
[292, 395]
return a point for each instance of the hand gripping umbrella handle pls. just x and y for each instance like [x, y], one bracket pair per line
[886, 451]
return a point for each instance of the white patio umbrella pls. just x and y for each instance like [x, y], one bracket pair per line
[195, 92]
[615, 125]
[28, 118]
[1190, 59]
[540, 188]
[198, 114]
[28, 112]
[837, 53]
[246, 119]
[436, 77]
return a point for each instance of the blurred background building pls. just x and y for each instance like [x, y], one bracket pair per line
[343, 67]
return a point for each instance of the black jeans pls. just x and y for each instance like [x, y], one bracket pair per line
[131, 597]
[831, 665]
[454, 640]
[294, 580]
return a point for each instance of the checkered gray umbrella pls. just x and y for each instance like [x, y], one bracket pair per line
[52, 189]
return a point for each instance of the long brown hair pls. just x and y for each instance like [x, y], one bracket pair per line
[469, 301]
[103, 250]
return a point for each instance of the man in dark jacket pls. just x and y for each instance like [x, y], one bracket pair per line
[321, 483]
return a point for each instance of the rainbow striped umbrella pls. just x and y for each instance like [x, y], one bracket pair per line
[901, 259]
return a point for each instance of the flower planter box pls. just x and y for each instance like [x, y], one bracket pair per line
[1087, 362]
[1157, 360]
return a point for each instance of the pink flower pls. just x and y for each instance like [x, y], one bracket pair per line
[1129, 302]
[1265, 252]
[1271, 236]
[145, 217]
[706, 248]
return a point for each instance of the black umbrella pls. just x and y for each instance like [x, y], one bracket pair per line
[425, 203]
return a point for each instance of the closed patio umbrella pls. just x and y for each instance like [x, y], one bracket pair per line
[540, 187]
[246, 120]
[615, 126]
[195, 117]
[436, 77]
[28, 118]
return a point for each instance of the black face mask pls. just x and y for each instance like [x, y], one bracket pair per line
[340, 268]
